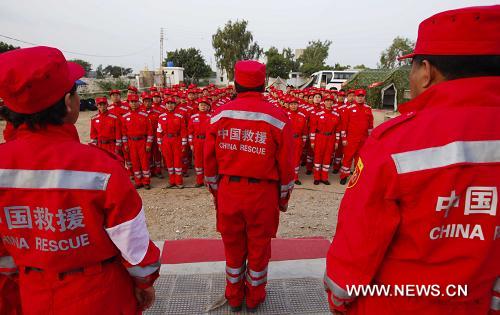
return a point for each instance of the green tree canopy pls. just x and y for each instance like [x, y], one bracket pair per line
[87, 66]
[314, 57]
[4, 47]
[280, 64]
[116, 71]
[400, 46]
[192, 61]
[232, 43]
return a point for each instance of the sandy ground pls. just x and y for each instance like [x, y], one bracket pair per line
[189, 213]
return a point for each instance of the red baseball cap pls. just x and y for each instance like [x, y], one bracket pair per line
[132, 88]
[360, 92]
[114, 92]
[33, 79]
[153, 89]
[155, 94]
[249, 73]
[466, 31]
[146, 95]
[170, 100]
[133, 97]
[99, 100]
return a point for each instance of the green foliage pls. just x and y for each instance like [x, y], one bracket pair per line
[4, 47]
[100, 72]
[232, 43]
[360, 67]
[87, 66]
[314, 57]
[107, 85]
[363, 79]
[115, 71]
[280, 64]
[192, 61]
[399, 47]
[339, 67]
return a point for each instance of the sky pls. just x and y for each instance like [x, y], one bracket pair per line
[127, 33]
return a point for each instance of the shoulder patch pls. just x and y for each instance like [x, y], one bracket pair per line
[335, 113]
[195, 115]
[143, 114]
[380, 130]
[351, 106]
[156, 111]
[112, 116]
[126, 115]
[163, 115]
[178, 115]
[302, 114]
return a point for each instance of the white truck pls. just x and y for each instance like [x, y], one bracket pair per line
[329, 79]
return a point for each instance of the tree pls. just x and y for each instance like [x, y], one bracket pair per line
[232, 43]
[399, 47]
[340, 67]
[116, 71]
[314, 56]
[280, 64]
[4, 47]
[87, 66]
[100, 72]
[361, 67]
[192, 61]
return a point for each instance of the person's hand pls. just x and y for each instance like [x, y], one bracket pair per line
[145, 297]
[284, 208]
[312, 145]
[125, 148]
[344, 143]
[336, 146]
[192, 148]
[148, 149]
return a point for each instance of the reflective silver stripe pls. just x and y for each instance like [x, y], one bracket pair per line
[211, 179]
[496, 288]
[255, 274]
[138, 271]
[234, 280]
[93, 141]
[7, 262]
[288, 186]
[53, 179]
[449, 154]
[254, 116]
[235, 271]
[214, 186]
[495, 303]
[256, 283]
[336, 289]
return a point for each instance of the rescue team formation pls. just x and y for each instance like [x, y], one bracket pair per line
[421, 207]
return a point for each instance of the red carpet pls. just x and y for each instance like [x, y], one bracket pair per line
[206, 250]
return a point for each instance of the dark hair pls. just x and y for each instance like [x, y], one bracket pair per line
[53, 115]
[242, 89]
[459, 67]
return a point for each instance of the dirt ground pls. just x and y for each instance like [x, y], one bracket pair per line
[189, 212]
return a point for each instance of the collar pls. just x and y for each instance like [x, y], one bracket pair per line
[249, 94]
[55, 132]
[456, 93]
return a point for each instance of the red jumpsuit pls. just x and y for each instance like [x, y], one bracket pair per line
[197, 129]
[155, 154]
[73, 224]
[299, 132]
[171, 136]
[10, 302]
[422, 207]
[183, 110]
[327, 134]
[358, 124]
[138, 135]
[249, 170]
[119, 109]
[339, 153]
[105, 132]
[9, 132]
[314, 112]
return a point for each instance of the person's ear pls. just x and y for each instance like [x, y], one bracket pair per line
[67, 102]
[427, 74]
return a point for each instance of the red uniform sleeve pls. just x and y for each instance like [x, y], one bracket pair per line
[370, 121]
[125, 223]
[159, 132]
[93, 132]
[124, 133]
[344, 124]
[190, 132]
[184, 132]
[304, 131]
[286, 169]
[118, 135]
[312, 127]
[368, 218]
[149, 132]
[209, 159]
[7, 265]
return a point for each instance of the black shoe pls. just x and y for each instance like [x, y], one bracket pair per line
[326, 182]
[316, 182]
[309, 172]
[236, 309]
[343, 181]
[138, 186]
[159, 176]
[303, 164]
[298, 182]
[335, 171]
[185, 175]
[352, 172]
[198, 185]
[170, 185]
[252, 309]
[180, 186]
[147, 187]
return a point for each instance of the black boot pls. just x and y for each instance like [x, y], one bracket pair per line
[316, 182]
[343, 181]
[309, 172]
[298, 182]
[326, 182]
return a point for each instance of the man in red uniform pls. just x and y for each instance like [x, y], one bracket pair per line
[357, 124]
[105, 128]
[197, 129]
[172, 137]
[340, 108]
[249, 170]
[138, 139]
[422, 208]
[117, 107]
[299, 132]
[327, 135]
[70, 218]
[153, 114]
[316, 110]
[10, 301]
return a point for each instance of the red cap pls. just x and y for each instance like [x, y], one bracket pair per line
[155, 94]
[192, 86]
[99, 100]
[146, 95]
[250, 73]
[461, 32]
[341, 93]
[330, 97]
[33, 79]
[360, 92]
[153, 89]
[132, 88]
[133, 97]
[170, 100]
[350, 91]
[203, 100]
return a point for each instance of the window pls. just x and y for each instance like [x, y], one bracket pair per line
[343, 75]
[407, 95]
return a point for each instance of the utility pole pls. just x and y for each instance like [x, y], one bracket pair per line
[161, 56]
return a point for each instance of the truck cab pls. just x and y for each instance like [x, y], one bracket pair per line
[331, 79]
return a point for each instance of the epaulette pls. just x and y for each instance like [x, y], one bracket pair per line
[366, 105]
[143, 114]
[195, 115]
[183, 108]
[320, 113]
[335, 113]
[179, 115]
[351, 106]
[302, 114]
[156, 111]
[163, 115]
[126, 114]
[112, 116]
[124, 107]
[95, 116]
[393, 122]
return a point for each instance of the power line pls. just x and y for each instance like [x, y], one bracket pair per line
[78, 53]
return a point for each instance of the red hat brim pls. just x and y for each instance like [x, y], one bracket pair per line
[407, 56]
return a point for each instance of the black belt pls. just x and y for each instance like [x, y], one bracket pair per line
[251, 180]
[76, 270]
[201, 137]
[107, 141]
[137, 138]
[295, 135]
[172, 135]
[327, 133]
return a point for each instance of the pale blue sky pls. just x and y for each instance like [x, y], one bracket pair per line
[359, 30]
